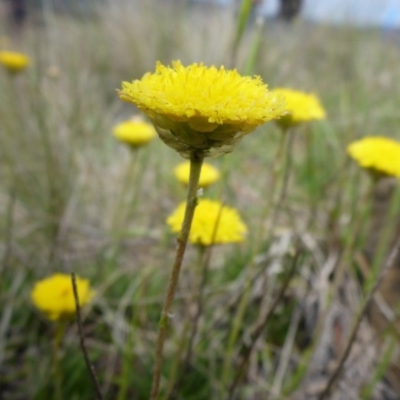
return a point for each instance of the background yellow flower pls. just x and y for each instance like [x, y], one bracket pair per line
[208, 213]
[209, 174]
[134, 132]
[199, 108]
[301, 107]
[14, 61]
[54, 296]
[377, 153]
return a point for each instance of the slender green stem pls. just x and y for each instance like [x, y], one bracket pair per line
[286, 175]
[344, 259]
[355, 227]
[196, 162]
[128, 352]
[184, 339]
[387, 232]
[202, 270]
[359, 316]
[238, 319]
[129, 180]
[85, 352]
[243, 19]
[173, 381]
[202, 274]
[248, 345]
[255, 47]
[58, 336]
[381, 368]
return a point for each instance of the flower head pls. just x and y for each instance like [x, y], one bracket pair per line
[378, 154]
[202, 109]
[301, 107]
[54, 296]
[134, 132]
[208, 175]
[213, 223]
[13, 62]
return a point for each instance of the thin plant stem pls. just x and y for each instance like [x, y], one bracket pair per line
[129, 180]
[202, 271]
[8, 306]
[334, 211]
[279, 167]
[196, 162]
[48, 14]
[381, 368]
[243, 19]
[286, 175]
[184, 339]
[375, 277]
[389, 263]
[237, 321]
[203, 278]
[355, 227]
[89, 366]
[174, 383]
[59, 330]
[286, 353]
[255, 47]
[202, 275]
[128, 352]
[9, 229]
[248, 345]
[343, 259]
[389, 226]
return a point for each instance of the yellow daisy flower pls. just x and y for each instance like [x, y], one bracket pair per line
[14, 62]
[208, 174]
[378, 154]
[203, 110]
[301, 107]
[134, 132]
[209, 213]
[54, 296]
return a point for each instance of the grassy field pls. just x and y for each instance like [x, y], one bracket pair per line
[74, 199]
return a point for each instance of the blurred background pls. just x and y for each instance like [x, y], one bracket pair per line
[75, 199]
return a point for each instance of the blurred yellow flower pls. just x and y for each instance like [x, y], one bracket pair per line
[13, 62]
[377, 153]
[301, 107]
[54, 296]
[208, 174]
[202, 109]
[208, 214]
[134, 132]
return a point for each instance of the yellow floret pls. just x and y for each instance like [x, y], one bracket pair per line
[203, 109]
[377, 153]
[208, 175]
[13, 61]
[134, 132]
[213, 223]
[54, 296]
[301, 107]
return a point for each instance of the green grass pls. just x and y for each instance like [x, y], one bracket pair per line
[62, 172]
